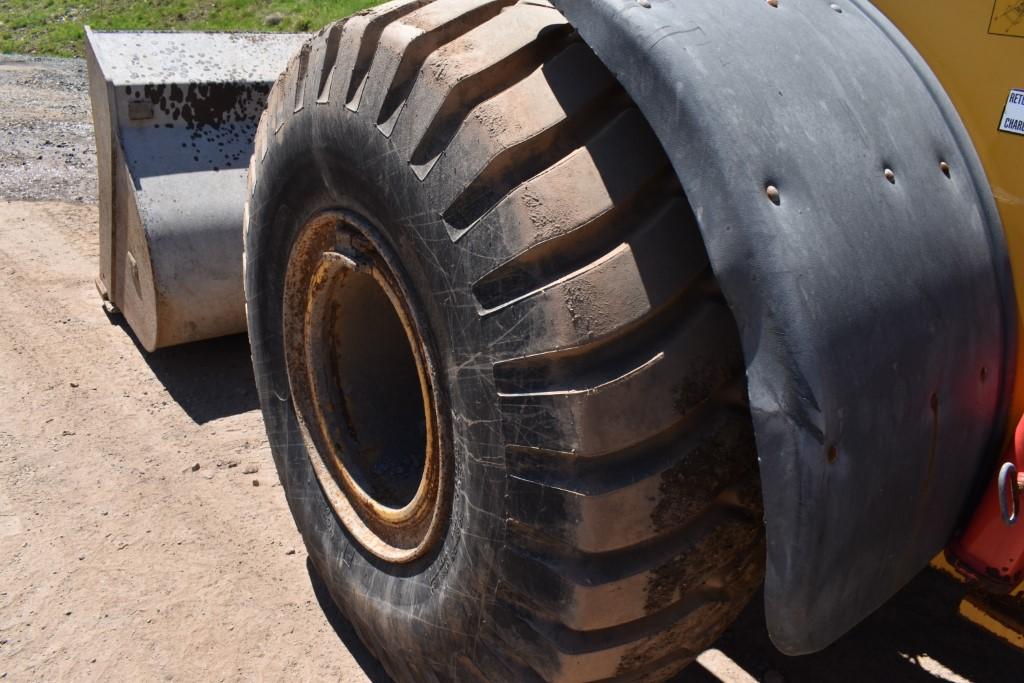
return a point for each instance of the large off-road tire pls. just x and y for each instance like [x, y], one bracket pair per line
[504, 395]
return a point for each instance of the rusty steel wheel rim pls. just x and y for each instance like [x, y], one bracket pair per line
[363, 383]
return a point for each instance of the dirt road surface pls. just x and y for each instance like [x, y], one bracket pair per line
[135, 543]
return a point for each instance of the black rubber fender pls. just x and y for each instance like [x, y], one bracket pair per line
[870, 286]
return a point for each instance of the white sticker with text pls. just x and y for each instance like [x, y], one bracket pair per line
[1013, 114]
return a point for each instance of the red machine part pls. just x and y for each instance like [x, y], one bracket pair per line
[991, 549]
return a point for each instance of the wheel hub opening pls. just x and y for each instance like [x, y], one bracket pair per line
[373, 380]
[364, 388]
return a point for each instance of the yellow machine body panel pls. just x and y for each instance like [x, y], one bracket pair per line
[976, 48]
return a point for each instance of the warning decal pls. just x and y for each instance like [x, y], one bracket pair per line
[1007, 18]
[1013, 114]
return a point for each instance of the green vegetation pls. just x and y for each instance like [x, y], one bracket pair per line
[51, 27]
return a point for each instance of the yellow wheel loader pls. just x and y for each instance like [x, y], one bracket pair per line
[575, 321]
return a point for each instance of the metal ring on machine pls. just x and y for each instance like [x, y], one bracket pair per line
[1008, 480]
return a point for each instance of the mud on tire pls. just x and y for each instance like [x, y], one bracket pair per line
[599, 511]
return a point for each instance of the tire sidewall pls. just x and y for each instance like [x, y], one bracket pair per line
[352, 167]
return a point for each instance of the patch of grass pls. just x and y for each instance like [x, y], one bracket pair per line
[51, 27]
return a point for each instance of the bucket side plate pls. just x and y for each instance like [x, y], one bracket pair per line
[175, 115]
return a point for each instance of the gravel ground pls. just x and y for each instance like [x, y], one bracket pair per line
[46, 144]
[123, 562]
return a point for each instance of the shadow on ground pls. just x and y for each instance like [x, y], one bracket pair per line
[346, 634]
[916, 637]
[208, 379]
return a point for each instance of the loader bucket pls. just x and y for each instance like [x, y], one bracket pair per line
[175, 115]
